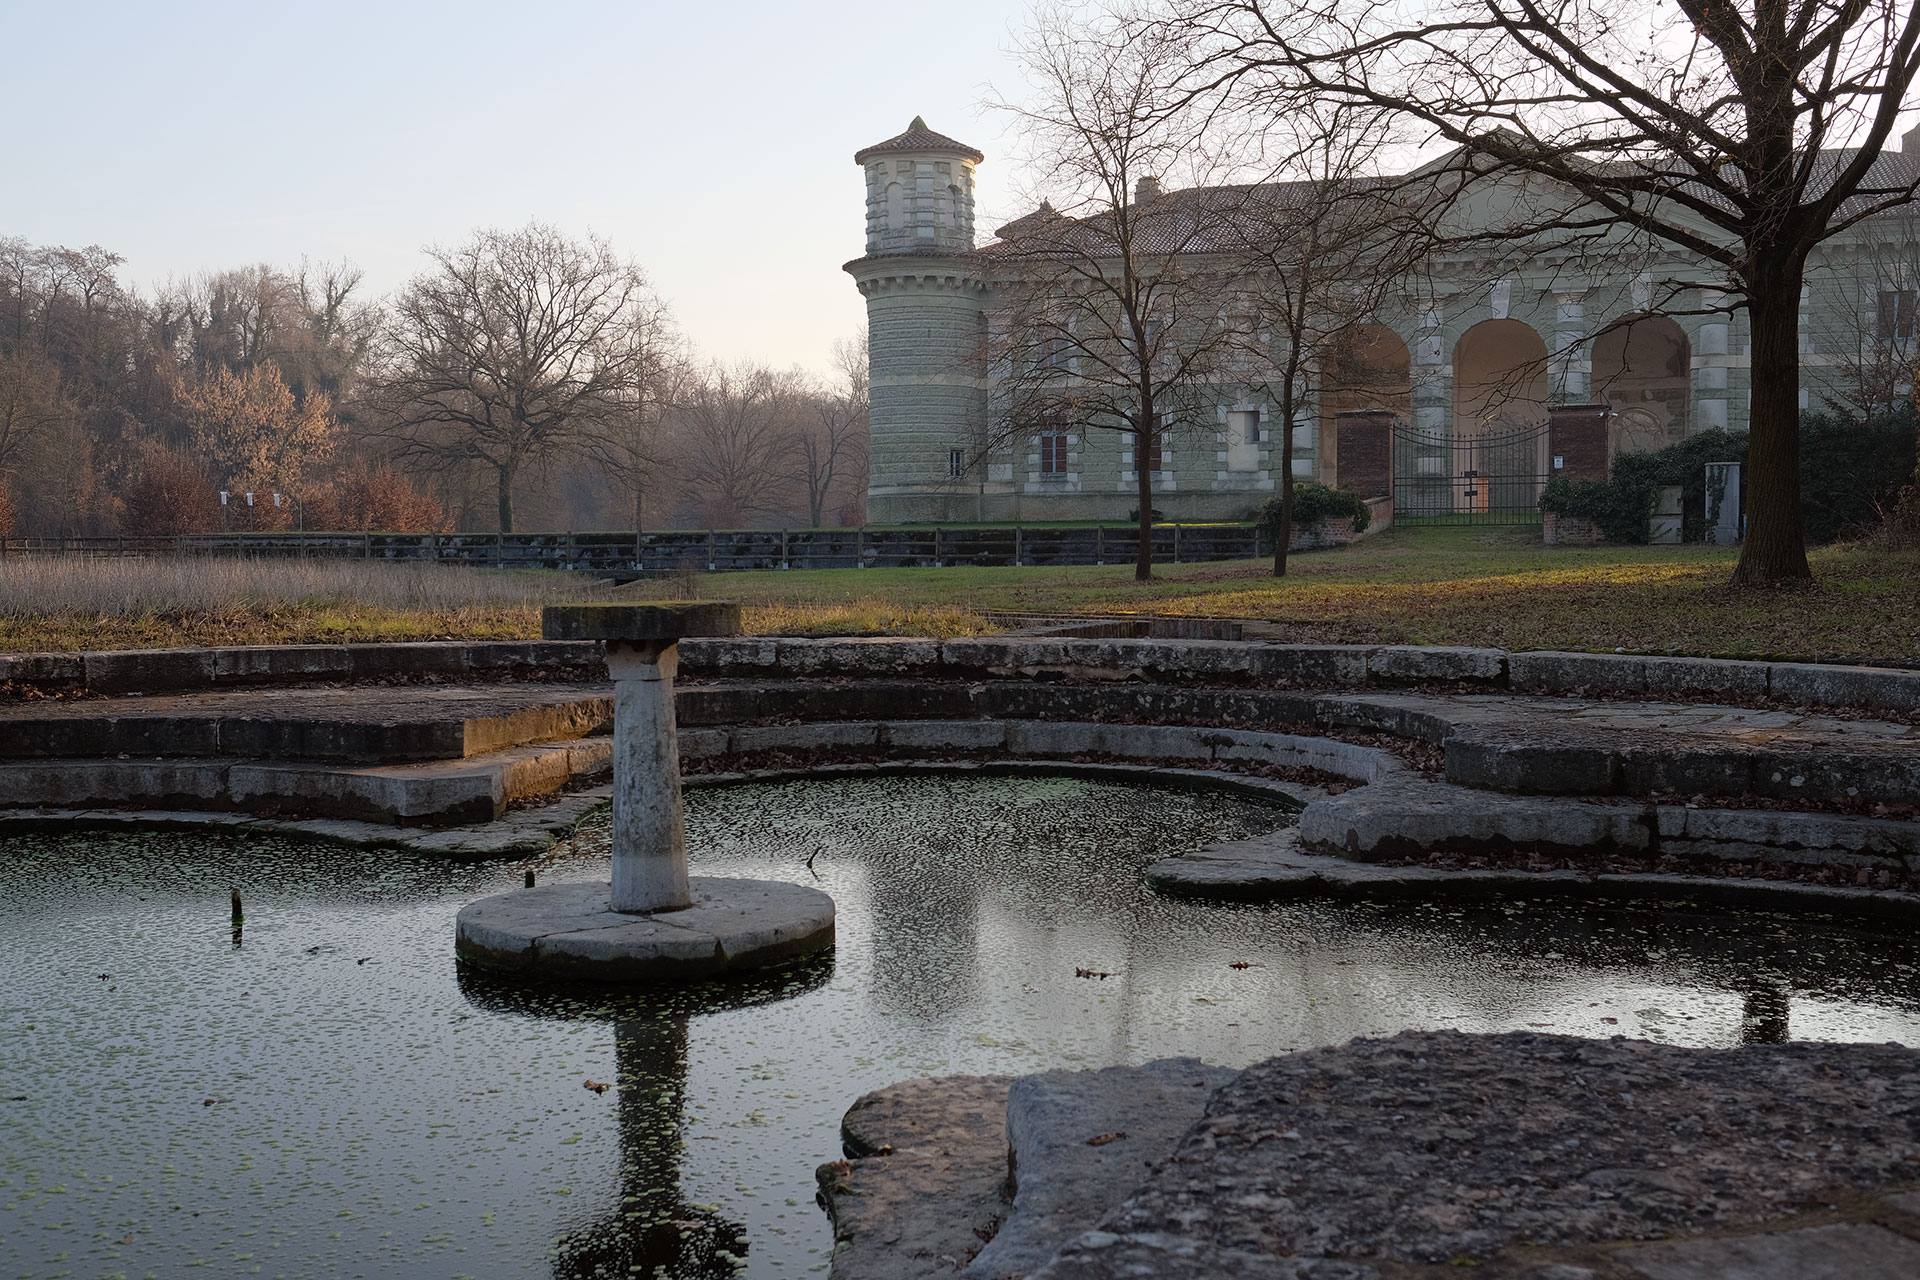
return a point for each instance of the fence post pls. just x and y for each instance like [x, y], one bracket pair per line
[712, 552]
[1176, 542]
[860, 549]
[785, 563]
[366, 545]
[1017, 541]
[1099, 544]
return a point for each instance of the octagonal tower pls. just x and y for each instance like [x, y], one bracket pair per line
[926, 328]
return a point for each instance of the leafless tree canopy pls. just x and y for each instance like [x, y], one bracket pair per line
[1110, 314]
[1743, 131]
[516, 347]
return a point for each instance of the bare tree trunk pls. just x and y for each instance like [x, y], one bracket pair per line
[503, 475]
[1776, 546]
[1283, 539]
[1143, 475]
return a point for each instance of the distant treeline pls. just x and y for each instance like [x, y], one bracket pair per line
[523, 378]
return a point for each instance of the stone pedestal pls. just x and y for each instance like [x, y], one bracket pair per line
[650, 922]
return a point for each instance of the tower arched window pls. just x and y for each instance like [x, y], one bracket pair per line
[953, 205]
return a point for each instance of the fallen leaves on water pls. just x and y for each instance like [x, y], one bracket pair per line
[598, 1086]
[1245, 964]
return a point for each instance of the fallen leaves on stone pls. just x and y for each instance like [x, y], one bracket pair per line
[1090, 973]
[1245, 964]
[1102, 1139]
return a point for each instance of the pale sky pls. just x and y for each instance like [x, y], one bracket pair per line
[712, 142]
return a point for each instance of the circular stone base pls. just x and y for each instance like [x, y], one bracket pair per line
[568, 931]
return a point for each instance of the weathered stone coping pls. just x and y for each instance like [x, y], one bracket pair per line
[1262, 664]
[1248, 663]
[118, 671]
[1276, 867]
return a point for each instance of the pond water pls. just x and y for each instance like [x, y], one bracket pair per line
[329, 1095]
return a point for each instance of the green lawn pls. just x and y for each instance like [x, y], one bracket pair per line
[1427, 585]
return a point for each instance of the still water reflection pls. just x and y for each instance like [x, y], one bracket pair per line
[333, 1097]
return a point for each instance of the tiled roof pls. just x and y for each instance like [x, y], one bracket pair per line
[917, 138]
[1216, 219]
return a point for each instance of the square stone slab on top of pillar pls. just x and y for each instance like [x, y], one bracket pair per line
[659, 620]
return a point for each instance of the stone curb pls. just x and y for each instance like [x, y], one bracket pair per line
[1274, 868]
[121, 671]
[1280, 665]
[1229, 661]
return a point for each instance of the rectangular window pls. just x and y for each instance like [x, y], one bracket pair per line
[1157, 454]
[1243, 426]
[956, 464]
[1053, 453]
[1897, 308]
[1053, 350]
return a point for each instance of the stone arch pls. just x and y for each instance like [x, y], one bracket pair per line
[1370, 367]
[1499, 379]
[1499, 394]
[1642, 371]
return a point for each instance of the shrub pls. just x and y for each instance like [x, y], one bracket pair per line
[1313, 503]
[1850, 473]
[171, 494]
[363, 498]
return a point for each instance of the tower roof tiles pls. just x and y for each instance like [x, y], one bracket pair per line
[917, 138]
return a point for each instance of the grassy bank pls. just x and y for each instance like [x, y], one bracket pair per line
[1449, 585]
[1444, 585]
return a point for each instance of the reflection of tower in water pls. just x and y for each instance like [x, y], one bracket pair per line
[652, 1230]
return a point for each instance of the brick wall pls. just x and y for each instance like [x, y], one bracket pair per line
[1363, 443]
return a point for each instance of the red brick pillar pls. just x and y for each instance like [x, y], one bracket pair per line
[1577, 441]
[1363, 448]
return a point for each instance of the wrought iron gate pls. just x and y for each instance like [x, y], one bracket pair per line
[1442, 477]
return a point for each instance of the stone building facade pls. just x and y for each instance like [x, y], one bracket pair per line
[1486, 350]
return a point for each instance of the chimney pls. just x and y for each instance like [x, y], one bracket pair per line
[1146, 189]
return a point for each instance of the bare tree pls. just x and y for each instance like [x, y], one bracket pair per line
[1742, 131]
[833, 443]
[735, 430]
[1322, 248]
[515, 346]
[631, 443]
[1111, 312]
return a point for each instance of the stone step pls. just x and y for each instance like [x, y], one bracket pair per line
[368, 724]
[433, 793]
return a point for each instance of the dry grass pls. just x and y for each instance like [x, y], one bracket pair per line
[64, 604]
[1431, 586]
[69, 604]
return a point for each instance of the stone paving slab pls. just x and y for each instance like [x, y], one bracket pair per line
[370, 724]
[1440, 1147]
[1079, 1140]
[924, 1182]
[468, 790]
